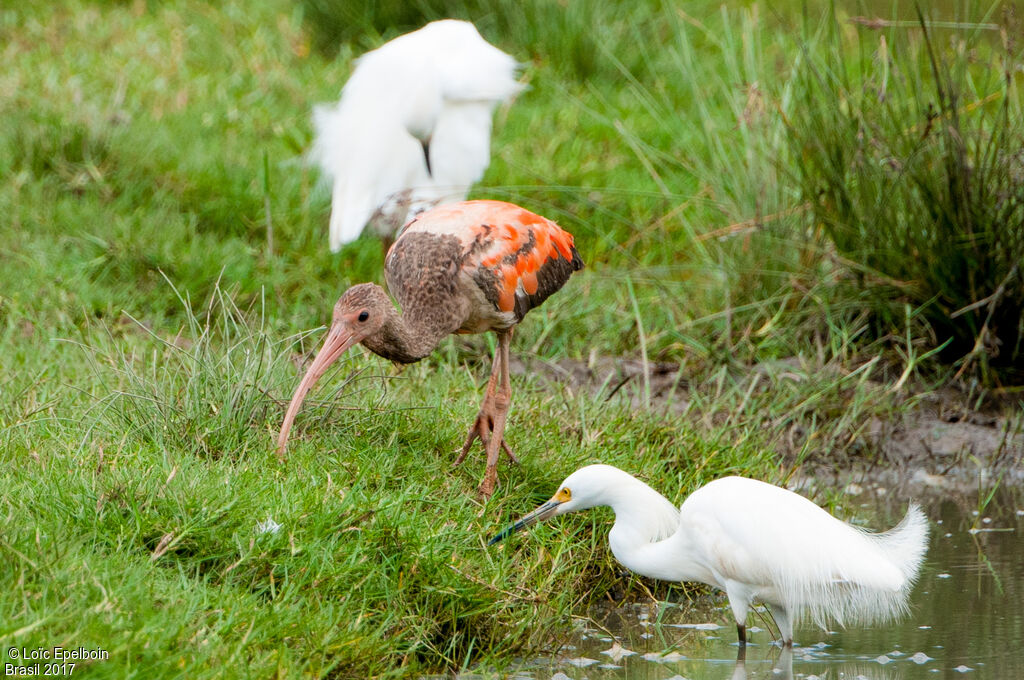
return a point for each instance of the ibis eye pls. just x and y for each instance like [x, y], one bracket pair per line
[364, 315]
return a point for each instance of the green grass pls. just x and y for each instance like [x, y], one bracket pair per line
[916, 180]
[149, 337]
[132, 526]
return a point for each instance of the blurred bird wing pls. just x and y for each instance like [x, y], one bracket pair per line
[468, 67]
[398, 81]
[466, 77]
[435, 86]
[460, 149]
[366, 171]
[367, 144]
[415, 75]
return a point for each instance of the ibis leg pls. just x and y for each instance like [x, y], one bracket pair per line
[502, 402]
[489, 426]
[481, 428]
[505, 389]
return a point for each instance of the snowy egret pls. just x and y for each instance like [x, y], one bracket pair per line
[755, 541]
[413, 127]
[471, 267]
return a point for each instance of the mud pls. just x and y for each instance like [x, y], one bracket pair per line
[613, 377]
[933, 440]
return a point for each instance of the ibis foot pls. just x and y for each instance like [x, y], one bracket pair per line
[489, 429]
[482, 429]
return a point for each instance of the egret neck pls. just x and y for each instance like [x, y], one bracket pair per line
[643, 537]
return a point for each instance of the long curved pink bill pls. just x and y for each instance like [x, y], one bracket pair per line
[339, 339]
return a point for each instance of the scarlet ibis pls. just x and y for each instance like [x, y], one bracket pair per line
[469, 267]
[412, 128]
[755, 541]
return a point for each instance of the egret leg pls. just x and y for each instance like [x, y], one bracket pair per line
[489, 426]
[739, 601]
[784, 623]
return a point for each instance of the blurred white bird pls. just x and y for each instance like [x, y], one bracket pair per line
[755, 541]
[413, 127]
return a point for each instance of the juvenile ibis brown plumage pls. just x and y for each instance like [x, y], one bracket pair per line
[467, 267]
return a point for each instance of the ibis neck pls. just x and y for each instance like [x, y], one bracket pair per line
[405, 340]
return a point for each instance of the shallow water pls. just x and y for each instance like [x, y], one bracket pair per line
[966, 620]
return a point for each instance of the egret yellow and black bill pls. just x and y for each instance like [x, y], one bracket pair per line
[542, 513]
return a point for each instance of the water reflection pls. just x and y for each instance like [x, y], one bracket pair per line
[782, 669]
[754, 662]
[966, 620]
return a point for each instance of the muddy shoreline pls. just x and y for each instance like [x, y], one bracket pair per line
[932, 441]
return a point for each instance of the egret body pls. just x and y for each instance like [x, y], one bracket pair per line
[413, 127]
[756, 542]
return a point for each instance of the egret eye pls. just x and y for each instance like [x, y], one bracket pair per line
[364, 315]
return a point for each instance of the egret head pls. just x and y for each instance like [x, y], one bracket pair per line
[359, 313]
[588, 487]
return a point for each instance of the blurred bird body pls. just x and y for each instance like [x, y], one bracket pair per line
[413, 127]
[468, 267]
[755, 541]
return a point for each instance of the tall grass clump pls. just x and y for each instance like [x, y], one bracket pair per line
[205, 391]
[909, 147]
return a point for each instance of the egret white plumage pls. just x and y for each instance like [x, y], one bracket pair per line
[413, 127]
[755, 541]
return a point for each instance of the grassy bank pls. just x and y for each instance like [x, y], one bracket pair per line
[149, 336]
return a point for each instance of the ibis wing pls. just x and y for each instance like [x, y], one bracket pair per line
[516, 258]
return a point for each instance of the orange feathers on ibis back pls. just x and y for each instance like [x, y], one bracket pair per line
[516, 257]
